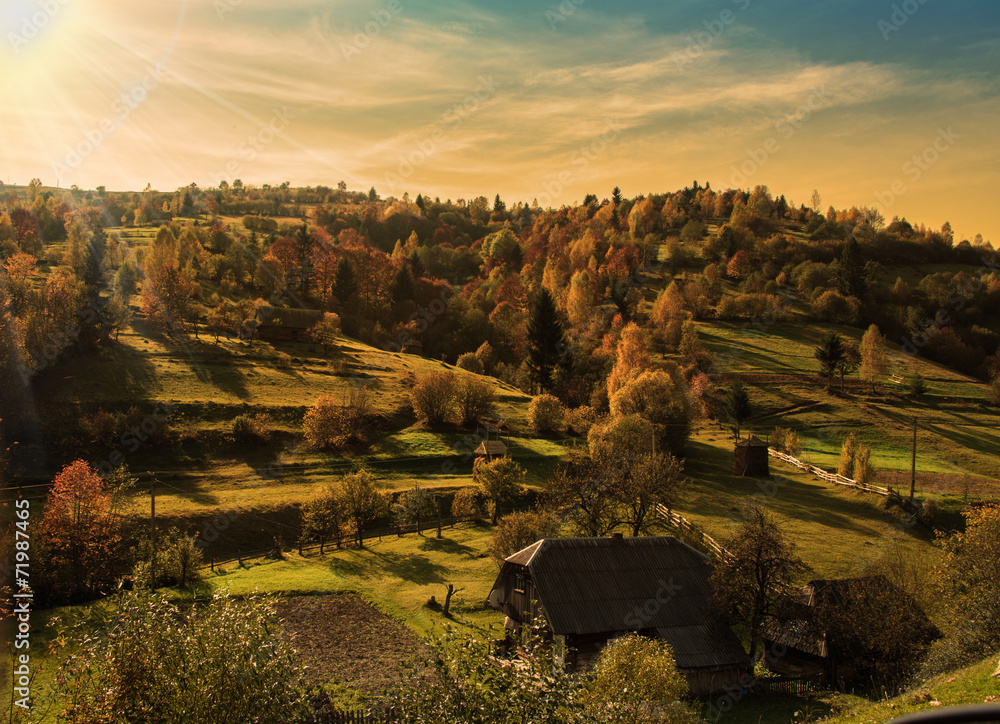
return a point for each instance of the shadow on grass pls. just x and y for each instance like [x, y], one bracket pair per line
[376, 564]
[772, 708]
[446, 545]
[715, 486]
[221, 368]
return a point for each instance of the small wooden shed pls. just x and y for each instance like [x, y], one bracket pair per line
[595, 589]
[490, 450]
[286, 324]
[751, 457]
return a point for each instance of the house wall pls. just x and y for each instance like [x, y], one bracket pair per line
[708, 683]
[793, 662]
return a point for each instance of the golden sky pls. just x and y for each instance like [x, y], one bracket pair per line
[870, 106]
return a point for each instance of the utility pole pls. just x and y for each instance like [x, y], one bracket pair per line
[152, 530]
[913, 469]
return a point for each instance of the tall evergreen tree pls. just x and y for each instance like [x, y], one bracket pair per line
[851, 276]
[345, 285]
[830, 353]
[738, 406]
[545, 339]
[303, 244]
[402, 286]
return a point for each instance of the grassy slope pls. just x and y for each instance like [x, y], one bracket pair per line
[210, 383]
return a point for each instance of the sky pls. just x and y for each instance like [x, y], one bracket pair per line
[891, 105]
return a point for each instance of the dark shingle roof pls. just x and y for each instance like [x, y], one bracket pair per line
[600, 585]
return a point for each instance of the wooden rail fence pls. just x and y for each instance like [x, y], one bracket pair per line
[894, 495]
[835, 478]
[429, 527]
[681, 523]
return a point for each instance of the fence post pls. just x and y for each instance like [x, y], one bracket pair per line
[213, 565]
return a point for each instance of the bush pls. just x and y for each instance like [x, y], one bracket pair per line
[786, 441]
[178, 560]
[102, 426]
[329, 425]
[545, 414]
[284, 360]
[833, 307]
[252, 428]
[470, 362]
[466, 505]
[223, 661]
[581, 419]
[433, 397]
[520, 530]
[636, 679]
[474, 397]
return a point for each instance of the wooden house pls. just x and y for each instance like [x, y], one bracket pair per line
[805, 642]
[751, 457]
[286, 324]
[592, 590]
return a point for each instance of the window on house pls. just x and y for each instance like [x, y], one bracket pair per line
[519, 582]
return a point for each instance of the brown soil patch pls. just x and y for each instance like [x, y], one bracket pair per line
[341, 638]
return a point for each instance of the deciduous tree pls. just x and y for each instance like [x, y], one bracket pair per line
[873, 356]
[80, 533]
[501, 482]
[751, 583]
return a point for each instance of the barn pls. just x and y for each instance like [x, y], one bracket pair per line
[594, 589]
[287, 324]
[750, 457]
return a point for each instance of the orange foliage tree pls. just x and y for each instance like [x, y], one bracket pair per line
[80, 533]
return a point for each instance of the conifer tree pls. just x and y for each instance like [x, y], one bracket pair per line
[546, 343]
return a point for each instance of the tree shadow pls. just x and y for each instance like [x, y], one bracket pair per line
[447, 545]
[219, 367]
[368, 563]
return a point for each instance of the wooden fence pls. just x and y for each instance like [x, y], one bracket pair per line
[894, 495]
[835, 478]
[426, 527]
[681, 523]
[789, 684]
[352, 716]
